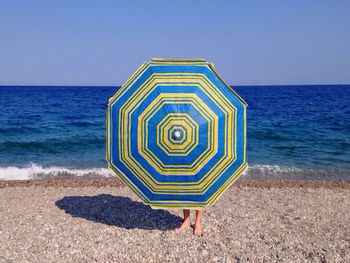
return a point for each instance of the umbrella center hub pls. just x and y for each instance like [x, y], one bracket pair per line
[177, 135]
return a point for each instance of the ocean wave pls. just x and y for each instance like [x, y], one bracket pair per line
[35, 171]
[255, 171]
[268, 171]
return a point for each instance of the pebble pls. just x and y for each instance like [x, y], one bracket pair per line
[109, 224]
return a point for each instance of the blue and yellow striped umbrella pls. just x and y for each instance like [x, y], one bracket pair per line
[176, 134]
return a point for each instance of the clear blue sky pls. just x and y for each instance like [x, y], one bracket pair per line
[103, 42]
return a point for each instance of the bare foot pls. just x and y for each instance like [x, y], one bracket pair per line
[197, 230]
[185, 224]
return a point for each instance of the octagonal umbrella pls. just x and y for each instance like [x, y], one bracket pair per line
[176, 134]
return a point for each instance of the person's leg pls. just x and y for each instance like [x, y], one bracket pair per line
[186, 221]
[197, 227]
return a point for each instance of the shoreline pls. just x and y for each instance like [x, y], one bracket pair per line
[115, 182]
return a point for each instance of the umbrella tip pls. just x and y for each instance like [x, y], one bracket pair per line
[179, 60]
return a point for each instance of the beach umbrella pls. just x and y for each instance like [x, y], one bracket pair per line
[176, 134]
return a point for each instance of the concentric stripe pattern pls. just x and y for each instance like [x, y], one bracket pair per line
[176, 134]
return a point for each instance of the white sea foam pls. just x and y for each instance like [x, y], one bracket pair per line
[34, 171]
[267, 169]
[262, 171]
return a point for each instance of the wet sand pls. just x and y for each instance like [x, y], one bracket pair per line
[100, 220]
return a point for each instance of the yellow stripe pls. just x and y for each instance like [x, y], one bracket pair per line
[179, 206]
[182, 76]
[179, 101]
[122, 89]
[179, 61]
[140, 102]
[179, 98]
[164, 128]
[176, 149]
[227, 184]
[134, 106]
[211, 66]
[107, 135]
[182, 80]
[129, 183]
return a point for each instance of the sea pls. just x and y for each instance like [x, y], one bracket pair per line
[293, 132]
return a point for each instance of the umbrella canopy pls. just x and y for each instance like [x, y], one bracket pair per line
[176, 134]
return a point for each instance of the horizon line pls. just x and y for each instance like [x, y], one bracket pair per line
[231, 85]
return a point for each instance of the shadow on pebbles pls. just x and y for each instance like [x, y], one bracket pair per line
[109, 224]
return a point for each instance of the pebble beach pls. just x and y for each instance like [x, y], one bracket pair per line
[100, 220]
